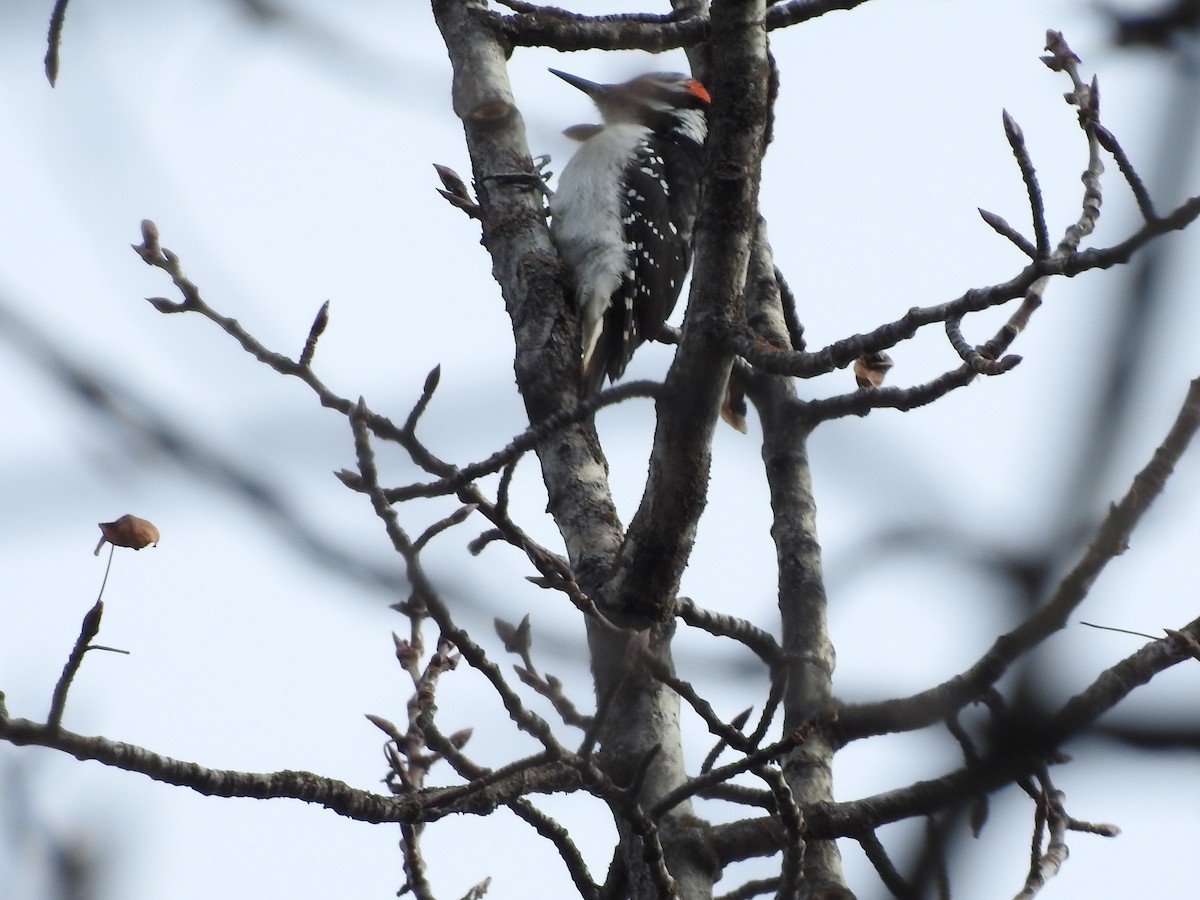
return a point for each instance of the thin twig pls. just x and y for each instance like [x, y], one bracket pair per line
[888, 873]
[58, 18]
[792, 822]
[89, 629]
[1037, 205]
[843, 352]
[736, 723]
[524, 718]
[1001, 227]
[740, 794]
[414, 865]
[779, 683]
[699, 705]
[453, 478]
[561, 839]
[551, 688]
[980, 363]
[724, 773]
[455, 518]
[1110, 541]
[861, 403]
[1109, 142]
[1052, 818]
[717, 624]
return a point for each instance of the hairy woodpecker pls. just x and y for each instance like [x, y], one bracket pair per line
[623, 213]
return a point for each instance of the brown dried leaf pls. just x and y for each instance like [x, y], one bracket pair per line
[871, 369]
[128, 531]
[733, 407]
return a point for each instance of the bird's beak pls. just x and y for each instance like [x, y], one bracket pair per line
[591, 88]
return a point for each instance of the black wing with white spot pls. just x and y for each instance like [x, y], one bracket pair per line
[657, 255]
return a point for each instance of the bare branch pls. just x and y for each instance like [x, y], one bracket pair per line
[792, 822]
[724, 773]
[524, 442]
[1065, 259]
[721, 625]
[861, 403]
[1001, 227]
[841, 353]
[760, 837]
[737, 723]
[551, 688]
[1109, 142]
[1037, 205]
[328, 792]
[660, 536]
[1111, 539]
[524, 719]
[888, 874]
[779, 683]
[1086, 97]
[58, 19]
[89, 629]
[1046, 864]
[539, 26]
[700, 706]
[980, 363]
[1080, 712]
[414, 864]
[561, 839]
[457, 517]
[543, 28]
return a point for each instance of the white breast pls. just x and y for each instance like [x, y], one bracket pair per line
[587, 210]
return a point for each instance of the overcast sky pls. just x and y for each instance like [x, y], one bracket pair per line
[290, 165]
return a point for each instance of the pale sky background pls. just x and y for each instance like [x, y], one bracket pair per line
[291, 165]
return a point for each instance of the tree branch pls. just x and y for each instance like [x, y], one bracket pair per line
[933, 705]
[337, 796]
[567, 31]
[763, 837]
[88, 630]
[661, 534]
[843, 352]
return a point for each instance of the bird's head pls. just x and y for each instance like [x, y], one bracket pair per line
[646, 100]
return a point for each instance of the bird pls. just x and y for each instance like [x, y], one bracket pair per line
[624, 211]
